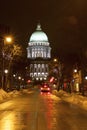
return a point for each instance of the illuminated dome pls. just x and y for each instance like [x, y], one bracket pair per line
[38, 35]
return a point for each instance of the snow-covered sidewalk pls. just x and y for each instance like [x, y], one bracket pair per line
[72, 98]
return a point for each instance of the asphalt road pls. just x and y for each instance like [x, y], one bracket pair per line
[37, 111]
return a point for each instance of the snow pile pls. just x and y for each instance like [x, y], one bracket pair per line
[27, 91]
[61, 93]
[72, 98]
[14, 93]
[56, 98]
[3, 95]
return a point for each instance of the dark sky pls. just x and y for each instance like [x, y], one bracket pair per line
[64, 22]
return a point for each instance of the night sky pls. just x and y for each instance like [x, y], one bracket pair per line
[64, 22]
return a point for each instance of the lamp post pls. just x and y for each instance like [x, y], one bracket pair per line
[19, 78]
[6, 74]
[6, 40]
[55, 60]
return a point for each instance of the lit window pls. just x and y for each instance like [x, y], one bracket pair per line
[44, 78]
[37, 78]
[40, 78]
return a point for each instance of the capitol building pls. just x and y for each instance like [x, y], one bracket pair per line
[39, 53]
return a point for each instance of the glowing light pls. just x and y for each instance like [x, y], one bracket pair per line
[28, 81]
[44, 78]
[36, 78]
[14, 75]
[40, 78]
[75, 70]
[55, 60]
[86, 77]
[8, 39]
[77, 87]
[39, 35]
[48, 88]
[48, 93]
[45, 86]
[19, 77]
[6, 71]
[51, 80]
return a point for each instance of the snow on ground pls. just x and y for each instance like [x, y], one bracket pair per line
[8, 95]
[4, 95]
[72, 98]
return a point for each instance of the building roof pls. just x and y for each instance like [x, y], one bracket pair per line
[38, 35]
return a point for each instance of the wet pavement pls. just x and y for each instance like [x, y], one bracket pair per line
[37, 111]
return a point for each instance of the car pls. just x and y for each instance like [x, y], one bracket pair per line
[45, 88]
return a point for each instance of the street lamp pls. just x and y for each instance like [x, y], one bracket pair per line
[5, 40]
[6, 71]
[55, 60]
[75, 70]
[6, 74]
[19, 77]
[8, 39]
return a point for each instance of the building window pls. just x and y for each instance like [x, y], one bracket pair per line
[39, 54]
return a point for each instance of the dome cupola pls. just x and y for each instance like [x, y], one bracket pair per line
[38, 35]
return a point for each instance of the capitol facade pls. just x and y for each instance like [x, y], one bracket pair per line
[39, 53]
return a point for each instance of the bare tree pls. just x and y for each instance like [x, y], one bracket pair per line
[11, 54]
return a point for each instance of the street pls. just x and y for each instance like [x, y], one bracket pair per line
[36, 111]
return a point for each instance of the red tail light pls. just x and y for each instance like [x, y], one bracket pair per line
[45, 86]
